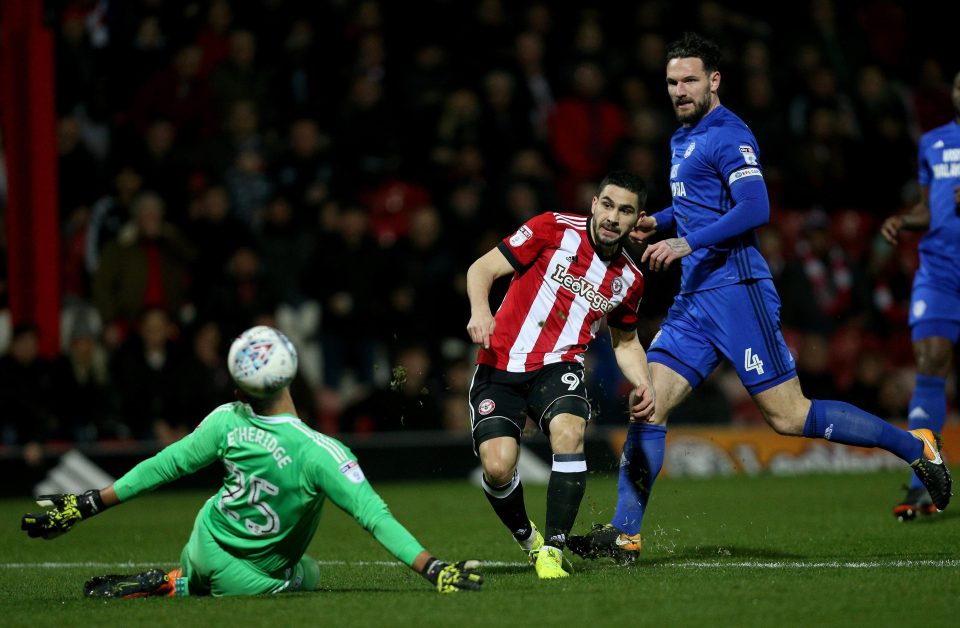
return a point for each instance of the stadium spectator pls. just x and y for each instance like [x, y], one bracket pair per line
[348, 298]
[86, 401]
[584, 130]
[146, 266]
[822, 287]
[27, 392]
[109, 213]
[215, 234]
[304, 172]
[538, 86]
[181, 95]
[242, 295]
[203, 381]
[165, 168]
[146, 370]
[79, 172]
[240, 77]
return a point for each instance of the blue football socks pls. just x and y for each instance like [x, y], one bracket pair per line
[928, 408]
[640, 464]
[843, 423]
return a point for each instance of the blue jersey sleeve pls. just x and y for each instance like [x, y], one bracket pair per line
[923, 165]
[665, 219]
[751, 210]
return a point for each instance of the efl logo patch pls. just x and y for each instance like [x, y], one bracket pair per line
[748, 155]
[486, 407]
[353, 472]
[522, 235]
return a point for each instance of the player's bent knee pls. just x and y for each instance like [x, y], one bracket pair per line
[566, 433]
[497, 473]
[310, 573]
[934, 356]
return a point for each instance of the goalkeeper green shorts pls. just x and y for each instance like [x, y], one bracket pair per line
[210, 570]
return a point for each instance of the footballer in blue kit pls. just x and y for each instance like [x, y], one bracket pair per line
[935, 297]
[727, 308]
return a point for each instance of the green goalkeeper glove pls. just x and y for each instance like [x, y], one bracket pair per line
[453, 577]
[66, 511]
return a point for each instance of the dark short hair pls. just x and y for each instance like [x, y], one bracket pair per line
[628, 181]
[261, 405]
[692, 45]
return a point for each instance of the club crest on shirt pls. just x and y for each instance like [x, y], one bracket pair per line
[522, 235]
[352, 470]
[748, 155]
[486, 407]
[616, 285]
[919, 308]
[689, 150]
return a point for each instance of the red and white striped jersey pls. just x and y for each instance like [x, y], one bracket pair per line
[562, 289]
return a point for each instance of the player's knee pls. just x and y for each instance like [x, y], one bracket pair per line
[934, 357]
[785, 426]
[497, 471]
[566, 433]
[310, 574]
[788, 421]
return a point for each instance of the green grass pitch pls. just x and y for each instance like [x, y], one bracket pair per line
[813, 550]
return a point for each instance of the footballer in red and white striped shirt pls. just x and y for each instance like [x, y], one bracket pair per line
[563, 286]
[569, 272]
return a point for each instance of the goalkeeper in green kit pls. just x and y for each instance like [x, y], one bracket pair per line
[251, 536]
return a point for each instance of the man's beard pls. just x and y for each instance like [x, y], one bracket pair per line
[612, 227]
[699, 110]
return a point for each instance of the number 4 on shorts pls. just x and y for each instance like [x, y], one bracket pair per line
[752, 362]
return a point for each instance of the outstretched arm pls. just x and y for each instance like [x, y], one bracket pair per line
[352, 493]
[195, 451]
[751, 209]
[480, 277]
[917, 219]
[632, 360]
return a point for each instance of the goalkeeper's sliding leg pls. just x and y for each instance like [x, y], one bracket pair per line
[146, 583]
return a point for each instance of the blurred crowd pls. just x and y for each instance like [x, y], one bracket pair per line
[333, 168]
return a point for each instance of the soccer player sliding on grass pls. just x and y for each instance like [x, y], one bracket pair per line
[250, 538]
[727, 307]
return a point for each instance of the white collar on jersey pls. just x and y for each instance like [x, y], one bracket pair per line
[277, 418]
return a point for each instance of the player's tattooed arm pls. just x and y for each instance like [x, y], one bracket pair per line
[661, 254]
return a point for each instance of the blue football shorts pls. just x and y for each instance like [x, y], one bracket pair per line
[740, 322]
[935, 299]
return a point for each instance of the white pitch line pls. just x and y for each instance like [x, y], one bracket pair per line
[785, 565]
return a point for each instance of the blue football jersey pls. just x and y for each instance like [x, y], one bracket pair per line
[939, 161]
[707, 160]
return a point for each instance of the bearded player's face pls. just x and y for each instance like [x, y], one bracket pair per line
[691, 89]
[615, 212]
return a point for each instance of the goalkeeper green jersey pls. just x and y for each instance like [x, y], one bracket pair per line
[277, 474]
